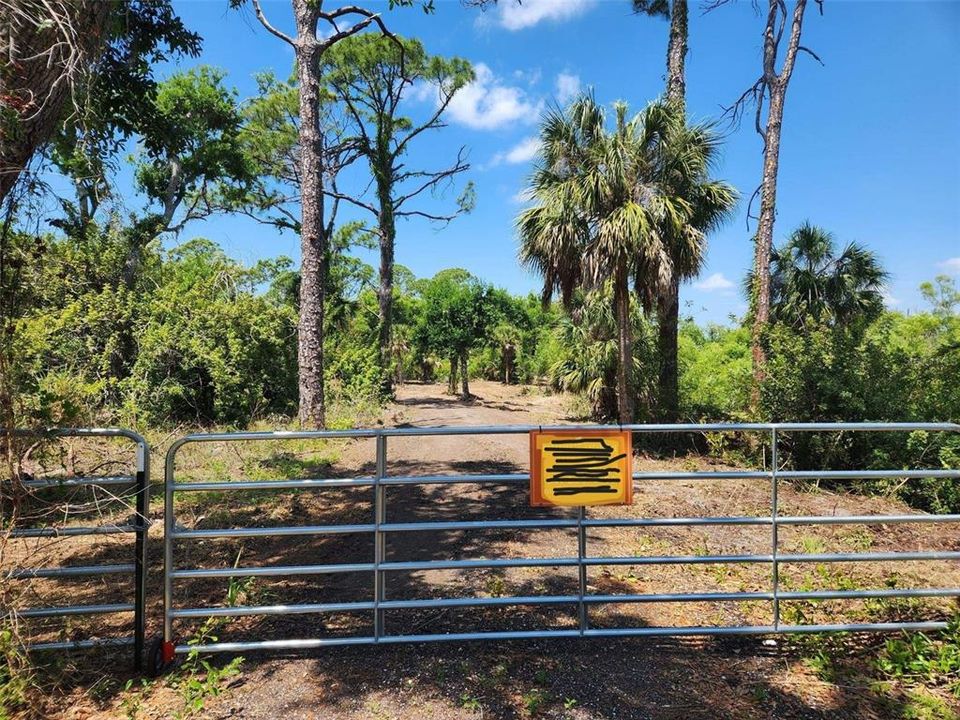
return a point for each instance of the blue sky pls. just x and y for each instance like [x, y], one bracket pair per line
[871, 146]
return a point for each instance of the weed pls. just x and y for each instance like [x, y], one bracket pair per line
[133, 698]
[15, 674]
[812, 545]
[923, 705]
[918, 656]
[495, 586]
[821, 663]
[470, 702]
[197, 678]
[535, 700]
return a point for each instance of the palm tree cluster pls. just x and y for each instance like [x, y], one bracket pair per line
[811, 283]
[628, 206]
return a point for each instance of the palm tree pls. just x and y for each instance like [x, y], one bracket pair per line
[601, 210]
[689, 155]
[810, 282]
[588, 365]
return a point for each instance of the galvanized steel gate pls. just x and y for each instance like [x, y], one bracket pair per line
[378, 566]
[137, 527]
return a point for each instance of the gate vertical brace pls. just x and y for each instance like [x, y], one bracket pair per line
[774, 544]
[141, 525]
[169, 525]
[379, 545]
[581, 568]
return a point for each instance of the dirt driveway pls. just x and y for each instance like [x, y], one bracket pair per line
[577, 679]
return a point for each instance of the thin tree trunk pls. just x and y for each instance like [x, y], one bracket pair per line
[668, 306]
[668, 325]
[677, 54]
[776, 87]
[452, 382]
[764, 240]
[313, 241]
[464, 375]
[388, 233]
[621, 294]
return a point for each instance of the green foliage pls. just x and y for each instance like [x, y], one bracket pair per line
[921, 657]
[812, 285]
[193, 142]
[196, 342]
[587, 360]
[15, 674]
[715, 371]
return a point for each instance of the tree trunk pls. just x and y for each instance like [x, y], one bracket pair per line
[676, 55]
[382, 167]
[764, 240]
[42, 64]
[452, 382]
[776, 87]
[668, 305]
[621, 295]
[668, 325]
[313, 240]
[464, 375]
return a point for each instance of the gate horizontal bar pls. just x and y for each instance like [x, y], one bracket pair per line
[304, 483]
[867, 594]
[870, 557]
[430, 603]
[705, 475]
[79, 481]
[506, 479]
[76, 610]
[73, 531]
[79, 571]
[245, 610]
[271, 570]
[479, 563]
[678, 560]
[670, 521]
[552, 634]
[544, 524]
[863, 519]
[285, 530]
[678, 597]
[865, 474]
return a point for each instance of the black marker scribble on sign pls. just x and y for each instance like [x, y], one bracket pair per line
[583, 460]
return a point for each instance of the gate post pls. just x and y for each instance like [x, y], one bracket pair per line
[141, 523]
[581, 567]
[774, 544]
[379, 544]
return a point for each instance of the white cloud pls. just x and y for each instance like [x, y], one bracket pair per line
[514, 15]
[486, 103]
[889, 300]
[530, 77]
[714, 283]
[522, 152]
[568, 87]
[951, 264]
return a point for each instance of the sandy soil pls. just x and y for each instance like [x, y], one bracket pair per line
[733, 677]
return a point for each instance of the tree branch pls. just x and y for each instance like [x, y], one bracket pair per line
[258, 10]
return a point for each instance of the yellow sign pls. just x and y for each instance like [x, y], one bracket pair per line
[581, 467]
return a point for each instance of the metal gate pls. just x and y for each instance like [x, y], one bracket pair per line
[378, 566]
[119, 486]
